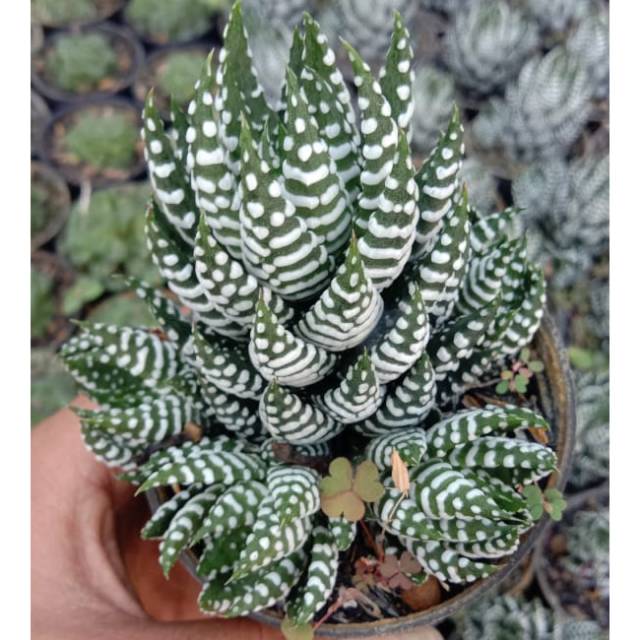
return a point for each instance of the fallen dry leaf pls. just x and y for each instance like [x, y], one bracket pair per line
[399, 473]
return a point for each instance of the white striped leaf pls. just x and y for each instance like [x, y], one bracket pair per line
[411, 445]
[157, 524]
[219, 554]
[343, 531]
[294, 492]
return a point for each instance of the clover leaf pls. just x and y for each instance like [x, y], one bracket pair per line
[344, 492]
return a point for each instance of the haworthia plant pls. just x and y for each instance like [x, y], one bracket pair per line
[326, 298]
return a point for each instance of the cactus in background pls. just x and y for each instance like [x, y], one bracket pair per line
[543, 112]
[590, 44]
[508, 618]
[326, 297]
[480, 184]
[434, 92]
[591, 459]
[569, 204]
[487, 45]
[558, 15]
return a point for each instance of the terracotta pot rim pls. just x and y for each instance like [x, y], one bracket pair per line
[115, 31]
[558, 400]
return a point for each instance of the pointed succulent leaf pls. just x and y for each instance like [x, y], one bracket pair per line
[396, 76]
[178, 135]
[235, 508]
[311, 180]
[255, 591]
[409, 402]
[238, 415]
[505, 495]
[319, 580]
[471, 424]
[488, 230]
[209, 467]
[170, 185]
[227, 366]
[212, 179]
[288, 418]
[411, 445]
[277, 353]
[113, 451]
[183, 526]
[357, 397]
[379, 140]
[438, 184]
[398, 350]
[495, 452]
[347, 311]
[442, 561]
[343, 531]
[158, 523]
[294, 492]
[497, 547]
[466, 530]
[386, 244]
[219, 554]
[277, 246]
[270, 541]
[445, 492]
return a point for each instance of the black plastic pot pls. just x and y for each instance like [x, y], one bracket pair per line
[557, 401]
[147, 73]
[78, 173]
[105, 9]
[59, 201]
[121, 39]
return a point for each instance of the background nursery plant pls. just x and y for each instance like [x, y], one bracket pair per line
[300, 396]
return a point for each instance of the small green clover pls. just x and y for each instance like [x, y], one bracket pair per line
[343, 492]
[516, 379]
[551, 501]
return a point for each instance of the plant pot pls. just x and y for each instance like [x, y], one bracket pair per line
[543, 557]
[79, 171]
[129, 55]
[196, 29]
[40, 116]
[57, 203]
[149, 76]
[556, 396]
[100, 10]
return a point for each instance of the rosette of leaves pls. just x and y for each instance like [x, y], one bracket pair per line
[508, 618]
[591, 457]
[78, 62]
[58, 13]
[587, 559]
[434, 92]
[105, 237]
[169, 20]
[365, 24]
[590, 44]
[557, 15]
[102, 141]
[544, 109]
[487, 45]
[569, 204]
[324, 291]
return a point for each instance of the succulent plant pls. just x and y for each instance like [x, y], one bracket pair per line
[79, 62]
[365, 24]
[590, 44]
[508, 618]
[61, 12]
[338, 301]
[178, 73]
[102, 141]
[558, 15]
[434, 92]
[591, 458]
[103, 238]
[588, 551]
[543, 111]
[42, 302]
[487, 45]
[169, 20]
[569, 204]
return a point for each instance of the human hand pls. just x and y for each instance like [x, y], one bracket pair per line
[92, 577]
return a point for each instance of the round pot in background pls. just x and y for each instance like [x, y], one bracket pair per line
[129, 56]
[190, 57]
[61, 142]
[50, 196]
[80, 13]
[545, 551]
[40, 115]
[557, 402]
